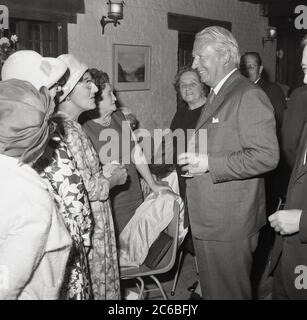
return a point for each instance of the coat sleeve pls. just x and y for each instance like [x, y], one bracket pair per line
[23, 248]
[292, 127]
[96, 185]
[69, 189]
[303, 227]
[259, 152]
[278, 100]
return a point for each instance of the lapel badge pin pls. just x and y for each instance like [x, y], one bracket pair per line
[215, 120]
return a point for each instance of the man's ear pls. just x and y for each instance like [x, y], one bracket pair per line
[260, 70]
[226, 57]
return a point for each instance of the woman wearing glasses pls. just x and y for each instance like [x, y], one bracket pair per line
[58, 168]
[79, 96]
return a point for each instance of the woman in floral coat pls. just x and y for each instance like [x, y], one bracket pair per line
[79, 96]
[58, 168]
[71, 197]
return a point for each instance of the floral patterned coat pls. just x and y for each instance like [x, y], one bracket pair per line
[103, 255]
[72, 201]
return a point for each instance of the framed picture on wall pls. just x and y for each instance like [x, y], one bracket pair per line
[131, 67]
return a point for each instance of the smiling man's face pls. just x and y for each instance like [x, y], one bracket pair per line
[208, 62]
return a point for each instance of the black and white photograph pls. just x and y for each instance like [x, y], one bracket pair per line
[153, 150]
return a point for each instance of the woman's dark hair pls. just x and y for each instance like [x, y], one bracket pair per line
[100, 79]
[61, 82]
[56, 126]
[180, 72]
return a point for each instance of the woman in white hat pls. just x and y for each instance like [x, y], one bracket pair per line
[79, 96]
[34, 243]
[30, 66]
[58, 168]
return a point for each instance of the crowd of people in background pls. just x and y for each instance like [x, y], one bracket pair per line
[67, 162]
[64, 205]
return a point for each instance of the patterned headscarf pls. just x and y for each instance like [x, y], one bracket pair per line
[24, 120]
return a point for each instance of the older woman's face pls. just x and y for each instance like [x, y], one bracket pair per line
[83, 94]
[191, 89]
[107, 105]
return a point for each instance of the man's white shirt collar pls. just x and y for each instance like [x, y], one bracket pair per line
[220, 84]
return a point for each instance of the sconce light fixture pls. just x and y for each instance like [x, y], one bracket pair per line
[115, 13]
[270, 35]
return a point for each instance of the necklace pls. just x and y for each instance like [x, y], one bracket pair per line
[105, 122]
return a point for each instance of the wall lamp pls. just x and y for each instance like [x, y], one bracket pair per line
[115, 13]
[270, 35]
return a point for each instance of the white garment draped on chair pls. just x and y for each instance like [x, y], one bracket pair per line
[149, 220]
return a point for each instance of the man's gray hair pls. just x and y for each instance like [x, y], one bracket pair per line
[223, 41]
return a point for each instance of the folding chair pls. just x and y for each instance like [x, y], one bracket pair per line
[165, 265]
[179, 265]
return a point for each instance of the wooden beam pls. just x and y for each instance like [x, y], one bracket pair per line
[40, 15]
[276, 8]
[72, 6]
[280, 9]
[273, 1]
[45, 10]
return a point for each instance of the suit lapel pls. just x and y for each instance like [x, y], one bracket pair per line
[300, 167]
[302, 164]
[262, 84]
[210, 110]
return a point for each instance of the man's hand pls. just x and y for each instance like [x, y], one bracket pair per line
[193, 164]
[286, 221]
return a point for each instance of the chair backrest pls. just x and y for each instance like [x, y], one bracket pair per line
[167, 261]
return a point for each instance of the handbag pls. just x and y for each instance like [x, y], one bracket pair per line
[158, 250]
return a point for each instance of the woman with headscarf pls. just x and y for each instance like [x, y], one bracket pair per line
[34, 243]
[79, 96]
[58, 167]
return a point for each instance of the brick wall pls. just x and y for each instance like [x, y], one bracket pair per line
[145, 23]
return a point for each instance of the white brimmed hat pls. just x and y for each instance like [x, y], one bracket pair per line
[28, 65]
[77, 70]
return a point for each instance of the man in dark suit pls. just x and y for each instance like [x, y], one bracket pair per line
[252, 68]
[295, 119]
[276, 181]
[225, 195]
[289, 258]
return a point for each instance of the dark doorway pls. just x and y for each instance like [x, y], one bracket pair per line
[185, 47]
[187, 27]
